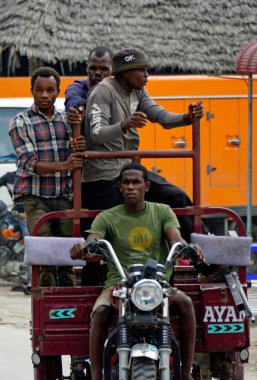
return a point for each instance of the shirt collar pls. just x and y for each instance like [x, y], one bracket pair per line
[36, 110]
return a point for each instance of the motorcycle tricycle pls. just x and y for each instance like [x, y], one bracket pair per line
[61, 316]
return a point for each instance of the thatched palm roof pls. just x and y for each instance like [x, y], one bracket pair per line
[200, 36]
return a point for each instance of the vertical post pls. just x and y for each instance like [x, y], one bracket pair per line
[196, 170]
[249, 161]
[196, 162]
[76, 185]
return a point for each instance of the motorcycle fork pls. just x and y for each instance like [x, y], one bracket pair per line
[123, 352]
[165, 343]
[164, 349]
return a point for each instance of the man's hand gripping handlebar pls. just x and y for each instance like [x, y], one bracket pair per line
[86, 251]
[211, 273]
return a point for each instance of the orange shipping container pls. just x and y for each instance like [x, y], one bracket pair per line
[224, 131]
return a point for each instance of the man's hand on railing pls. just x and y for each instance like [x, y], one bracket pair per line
[194, 110]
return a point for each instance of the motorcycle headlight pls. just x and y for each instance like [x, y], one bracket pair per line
[146, 294]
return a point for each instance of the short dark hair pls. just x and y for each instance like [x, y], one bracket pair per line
[100, 51]
[45, 72]
[135, 166]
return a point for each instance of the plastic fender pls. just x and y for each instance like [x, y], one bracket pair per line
[145, 350]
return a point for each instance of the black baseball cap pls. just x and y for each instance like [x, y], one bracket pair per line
[128, 59]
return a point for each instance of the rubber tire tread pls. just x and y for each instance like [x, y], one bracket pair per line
[143, 369]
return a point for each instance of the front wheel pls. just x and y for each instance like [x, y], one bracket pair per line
[143, 369]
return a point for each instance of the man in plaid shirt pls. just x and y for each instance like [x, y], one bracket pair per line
[41, 138]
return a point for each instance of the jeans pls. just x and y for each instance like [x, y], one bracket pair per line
[35, 207]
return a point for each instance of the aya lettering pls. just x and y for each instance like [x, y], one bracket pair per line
[223, 314]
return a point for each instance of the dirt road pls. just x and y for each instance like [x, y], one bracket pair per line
[15, 345]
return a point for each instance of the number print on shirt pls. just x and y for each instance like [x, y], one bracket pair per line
[140, 239]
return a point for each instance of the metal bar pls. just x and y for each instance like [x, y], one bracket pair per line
[72, 214]
[84, 213]
[140, 153]
[249, 157]
[196, 163]
[196, 171]
[198, 211]
[115, 258]
[76, 183]
[201, 97]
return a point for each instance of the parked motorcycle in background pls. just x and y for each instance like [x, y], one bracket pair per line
[13, 228]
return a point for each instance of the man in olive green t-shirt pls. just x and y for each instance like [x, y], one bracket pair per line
[141, 235]
[137, 230]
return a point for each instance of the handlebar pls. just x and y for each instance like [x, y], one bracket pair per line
[105, 248]
[173, 255]
[99, 247]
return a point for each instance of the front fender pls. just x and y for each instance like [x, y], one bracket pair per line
[145, 350]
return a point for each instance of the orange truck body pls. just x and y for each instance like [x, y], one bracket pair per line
[224, 134]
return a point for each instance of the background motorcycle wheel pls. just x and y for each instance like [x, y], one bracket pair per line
[143, 368]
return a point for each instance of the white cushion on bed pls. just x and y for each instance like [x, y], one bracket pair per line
[50, 251]
[224, 250]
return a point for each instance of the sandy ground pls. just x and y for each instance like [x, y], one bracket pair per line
[15, 345]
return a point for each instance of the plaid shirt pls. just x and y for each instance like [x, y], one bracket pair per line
[37, 138]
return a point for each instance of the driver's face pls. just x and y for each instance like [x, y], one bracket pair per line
[133, 186]
[99, 68]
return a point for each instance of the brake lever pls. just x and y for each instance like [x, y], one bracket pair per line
[98, 248]
[199, 264]
[92, 247]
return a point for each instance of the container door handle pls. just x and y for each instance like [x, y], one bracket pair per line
[210, 169]
[235, 142]
[180, 144]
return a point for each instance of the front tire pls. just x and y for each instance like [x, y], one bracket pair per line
[143, 369]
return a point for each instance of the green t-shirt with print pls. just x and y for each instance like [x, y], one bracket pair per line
[135, 237]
